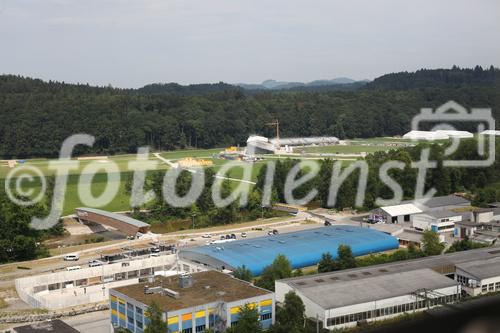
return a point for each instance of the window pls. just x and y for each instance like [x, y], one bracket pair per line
[266, 316]
[233, 323]
[187, 330]
[491, 287]
[200, 328]
[484, 288]
[138, 310]
[139, 324]
[130, 319]
[497, 286]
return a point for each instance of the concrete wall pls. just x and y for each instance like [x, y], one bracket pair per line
[87, 285]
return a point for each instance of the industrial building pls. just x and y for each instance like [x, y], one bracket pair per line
[395, 214]
[437, 221]
[344, 302]
[302, 248]
[122, 223]
[344, 298]
[190, 303]
[483, 226]
[405, 211]
[479, 277]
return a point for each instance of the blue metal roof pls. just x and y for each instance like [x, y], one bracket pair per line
[303, 248]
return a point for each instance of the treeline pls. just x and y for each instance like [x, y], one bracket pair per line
[36, 116]
[203, 211]
[430, 78]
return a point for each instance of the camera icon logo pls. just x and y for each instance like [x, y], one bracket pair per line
[452, 113]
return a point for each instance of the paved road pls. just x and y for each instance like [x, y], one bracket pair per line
[95, 322]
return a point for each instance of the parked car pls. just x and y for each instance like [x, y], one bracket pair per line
[243, 235]
[275, 232]
[270, 233]
[95, 263]
[206, 236]
[233, 236]
[71, 257]
[155, 250]
[327, 223]
[130, 237]
[73, 268]
[222, 237]
[154, 254]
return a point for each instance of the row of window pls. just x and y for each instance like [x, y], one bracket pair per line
[263, 317]
[355, 317]
[486, 288]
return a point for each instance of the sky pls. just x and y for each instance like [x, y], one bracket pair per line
[129, 43]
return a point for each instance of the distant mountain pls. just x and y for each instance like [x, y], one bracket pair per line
[283, 85]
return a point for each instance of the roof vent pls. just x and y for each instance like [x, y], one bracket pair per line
[185, 280]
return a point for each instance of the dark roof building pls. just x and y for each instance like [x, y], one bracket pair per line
[53, 326]
[123, 223]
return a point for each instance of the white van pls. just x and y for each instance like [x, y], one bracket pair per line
[73, 268]
[71, 257]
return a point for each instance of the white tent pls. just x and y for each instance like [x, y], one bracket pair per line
[456, 134]
[425, 135]
[490, 132]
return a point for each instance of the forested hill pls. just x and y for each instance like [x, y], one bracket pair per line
[36, 116]
[192, 89]
[425, 78]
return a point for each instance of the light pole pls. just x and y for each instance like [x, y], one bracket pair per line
[192, 217]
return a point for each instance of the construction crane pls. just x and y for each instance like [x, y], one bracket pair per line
[276, 124]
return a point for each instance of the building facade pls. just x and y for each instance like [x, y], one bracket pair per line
[342, 303]
[210, 300]
[479, 277]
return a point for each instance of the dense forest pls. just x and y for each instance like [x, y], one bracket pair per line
[36, 116]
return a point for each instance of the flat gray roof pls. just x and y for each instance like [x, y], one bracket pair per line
[116, 216]
[443, 213]
[330, 294]
[482, 269]
[446, 200]
[444, 264]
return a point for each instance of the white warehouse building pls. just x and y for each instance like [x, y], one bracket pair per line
[343, 301]
[479, 277]
[437, 221]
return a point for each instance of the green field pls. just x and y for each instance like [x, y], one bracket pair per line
[121, 201]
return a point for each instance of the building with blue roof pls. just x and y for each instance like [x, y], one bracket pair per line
[302, 248]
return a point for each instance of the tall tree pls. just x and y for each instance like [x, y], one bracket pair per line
[431, 244]
[248, 321]
[156, 322]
